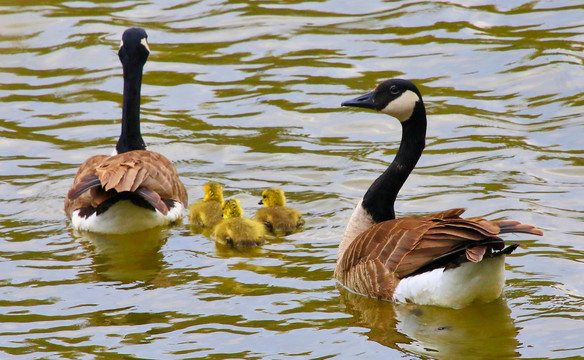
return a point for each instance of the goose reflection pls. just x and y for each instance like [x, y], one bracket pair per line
[227, 251]
[127, 258]
[479, 331]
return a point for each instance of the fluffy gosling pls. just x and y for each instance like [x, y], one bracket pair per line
[235, 230]
[207, 213]
[275, 215]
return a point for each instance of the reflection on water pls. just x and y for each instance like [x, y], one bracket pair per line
[247, 93]
[484, 331]
[126, 258]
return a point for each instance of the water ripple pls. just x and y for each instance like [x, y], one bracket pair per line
[248, 93]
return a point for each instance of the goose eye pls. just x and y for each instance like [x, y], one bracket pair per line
[394, 89]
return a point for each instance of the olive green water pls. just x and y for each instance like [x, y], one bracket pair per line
[247, 93]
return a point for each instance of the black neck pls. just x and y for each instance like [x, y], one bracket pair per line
[131, 138]
[380, 198]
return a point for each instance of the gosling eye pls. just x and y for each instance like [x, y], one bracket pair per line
[394, 89]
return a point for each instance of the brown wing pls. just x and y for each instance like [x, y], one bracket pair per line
[147, 173]
[394, 249]
[78, 196]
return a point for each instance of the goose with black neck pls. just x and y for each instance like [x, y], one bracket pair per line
[440, 259]
[133, 189]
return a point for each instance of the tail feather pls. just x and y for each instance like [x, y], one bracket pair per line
[510, 226]
[154, 199]
[509, 249]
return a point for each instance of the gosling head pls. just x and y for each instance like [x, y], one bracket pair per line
[134, 47]
[213, 192]
[395, 97]
[273, 196]
[232, 209]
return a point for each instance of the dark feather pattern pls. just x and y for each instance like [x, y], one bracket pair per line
[153, 199]
[392, 250]
[145, 173]
[86, 183]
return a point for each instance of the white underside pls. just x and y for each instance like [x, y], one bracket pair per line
[124, 217]
[455, 288]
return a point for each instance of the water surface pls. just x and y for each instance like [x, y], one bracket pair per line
[247, 93]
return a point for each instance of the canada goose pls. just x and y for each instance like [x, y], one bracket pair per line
[275, 215]
[208, 212]
[235, 230]
[134, 189]
[439, 259]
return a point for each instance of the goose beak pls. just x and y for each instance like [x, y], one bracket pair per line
[366, 101]
[261, 202]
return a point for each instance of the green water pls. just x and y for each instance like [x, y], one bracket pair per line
[248, 93]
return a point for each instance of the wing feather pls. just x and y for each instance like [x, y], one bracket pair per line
[145, 172]
[87, 182]
[154, 199]
[409, 246]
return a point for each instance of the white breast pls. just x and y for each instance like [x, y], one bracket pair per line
[359, 222]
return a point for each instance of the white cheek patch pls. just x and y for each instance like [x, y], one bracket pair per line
[121, 43]
[402, 107]
[145, 43]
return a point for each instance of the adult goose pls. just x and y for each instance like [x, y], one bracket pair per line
[439, 259]
[134, 189]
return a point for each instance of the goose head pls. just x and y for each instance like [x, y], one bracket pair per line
[134, 48]
[395, 97]
[213, 192]
[273, 196]
[400, 99]
[232, 209]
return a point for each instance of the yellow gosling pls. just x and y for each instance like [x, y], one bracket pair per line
[275, 215]
[207, 213]
[235, 230]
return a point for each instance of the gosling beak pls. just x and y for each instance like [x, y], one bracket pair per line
[261, 202]
[366, 101]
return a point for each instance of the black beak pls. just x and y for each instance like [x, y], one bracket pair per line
[261, 202]
[364, 101]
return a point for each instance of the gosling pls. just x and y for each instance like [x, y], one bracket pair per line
[207, 213]
[237, 231]
[275, 215]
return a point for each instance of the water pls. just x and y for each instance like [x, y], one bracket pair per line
[247, 93]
